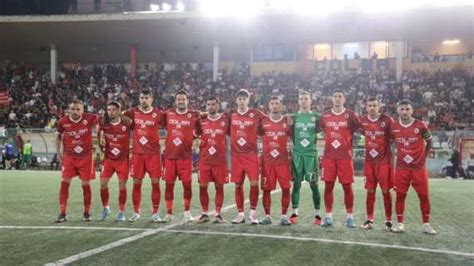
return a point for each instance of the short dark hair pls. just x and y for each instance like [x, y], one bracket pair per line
[77, 101]
[116, 104]
[304, 93]
[274, 97]
[372, 99]
[339, 91]
[213, 98]
[181, 92]
[146, 92]
[243, 93]
[405, 102]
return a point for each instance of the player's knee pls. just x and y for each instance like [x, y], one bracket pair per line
[254, 183]
[155, 180]
[385, 192]
[85, 183]
[204, 185]
[122, 185]
[238, 185]
[371, 190]
[137, 181]
[66, 180]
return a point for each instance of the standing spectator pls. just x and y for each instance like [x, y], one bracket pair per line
[456, 165]
[9, 155]
[27, 152]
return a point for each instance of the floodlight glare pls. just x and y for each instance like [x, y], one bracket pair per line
[154, 7]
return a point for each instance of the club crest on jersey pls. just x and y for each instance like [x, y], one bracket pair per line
[313, 119]
[346, 116]
[124, 128]
[84, 122]
[189, 115]
[417, 131]
[382, 124]
[284, 125]
[153, 115]
[251, 115]
[222, 124]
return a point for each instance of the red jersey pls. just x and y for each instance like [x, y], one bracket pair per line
[244, 131]
[77, 135]
[275, 139]
[339, 130]
[377, 139]
[410, 141]
[213, 132]
[180, 132]
[146, 132]
[117, 140]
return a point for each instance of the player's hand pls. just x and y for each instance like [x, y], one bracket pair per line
[126, 120]
[60, 157]
[203, 114]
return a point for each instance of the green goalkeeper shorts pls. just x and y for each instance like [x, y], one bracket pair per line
[305, 168]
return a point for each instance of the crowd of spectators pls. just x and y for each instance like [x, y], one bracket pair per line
[442, 99]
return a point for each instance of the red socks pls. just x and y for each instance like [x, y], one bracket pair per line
[400, 206]
[87, 194]
[137, 196]
[328, 196]
[155, 196]
[204, 198]
[169, 196]
[239, 198]
[104, 196]
[387, 203]
[267, 201]
[122, 199]
[188, 193]
[285, 200]
[219, 198]
[63, 196]
[348, 197]
[369, 204]
[253, 197]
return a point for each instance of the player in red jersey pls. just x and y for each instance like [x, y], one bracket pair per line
[146, 153]
[339, 125]
[413, 141]
[378, 160]
[74, 135]
[244, 123]
[114, 136]
[212, 158]
[276, 130]
[180, 124]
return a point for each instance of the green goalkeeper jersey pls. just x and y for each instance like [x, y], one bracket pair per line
[305, 128]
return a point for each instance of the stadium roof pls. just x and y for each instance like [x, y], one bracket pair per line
[189, 36]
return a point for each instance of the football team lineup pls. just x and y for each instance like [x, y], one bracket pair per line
[244, 125]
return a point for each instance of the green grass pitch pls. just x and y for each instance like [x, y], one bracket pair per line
[29, 199]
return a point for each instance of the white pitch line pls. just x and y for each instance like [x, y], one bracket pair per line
[324, 240]
[127, 240]
[74, 228]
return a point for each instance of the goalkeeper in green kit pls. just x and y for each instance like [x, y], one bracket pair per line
[305, 155]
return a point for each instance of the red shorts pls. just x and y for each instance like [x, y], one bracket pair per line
[175, 168]
[341, 168]
[84, 167]
[378, 173]
[273, 173]
[242, 165]
[109, 167]
[213, 173]
[418, 178]
[145, 163]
